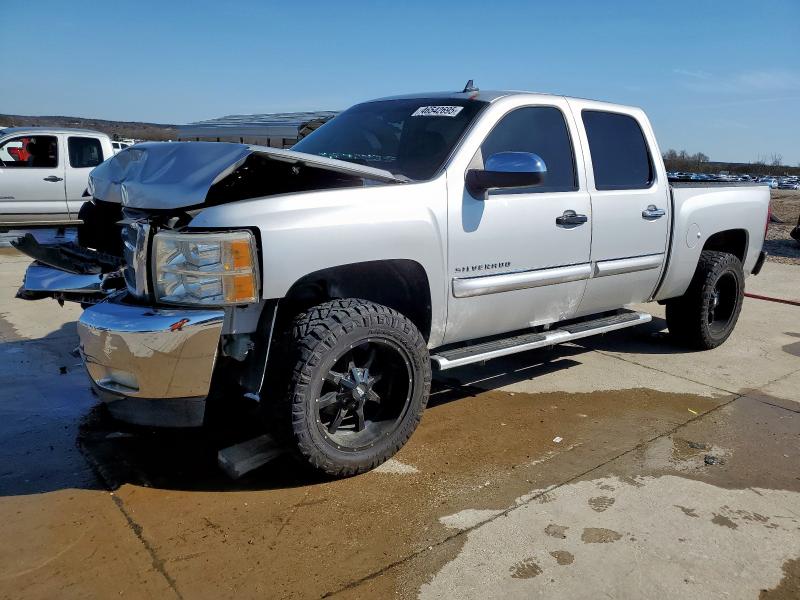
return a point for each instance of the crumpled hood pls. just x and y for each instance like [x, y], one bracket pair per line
[168, 175]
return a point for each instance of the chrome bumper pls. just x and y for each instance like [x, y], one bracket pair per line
[153, 366]
[41, 278]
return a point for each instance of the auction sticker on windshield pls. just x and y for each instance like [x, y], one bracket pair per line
[437, 111]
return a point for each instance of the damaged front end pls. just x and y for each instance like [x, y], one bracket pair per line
[167, 319]
[67, 271]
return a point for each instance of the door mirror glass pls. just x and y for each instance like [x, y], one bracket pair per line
[506, 170]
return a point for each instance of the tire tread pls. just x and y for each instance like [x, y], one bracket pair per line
[315, 332]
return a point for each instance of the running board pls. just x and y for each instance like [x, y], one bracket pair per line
[465, 355]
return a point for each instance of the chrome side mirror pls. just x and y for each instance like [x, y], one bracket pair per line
[506, 170]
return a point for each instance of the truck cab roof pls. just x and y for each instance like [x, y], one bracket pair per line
[44, 130]
[492, 96]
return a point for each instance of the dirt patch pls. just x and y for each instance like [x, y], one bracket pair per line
[723, 521]
[556, 531]
[525, 569]
[601, 503]
[689, 512]
[563, 557]
[785, 204]
[599, 535]
[789, 587]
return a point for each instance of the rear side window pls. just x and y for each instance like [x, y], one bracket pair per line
[84, 152]
[541, 130]
[620, 158]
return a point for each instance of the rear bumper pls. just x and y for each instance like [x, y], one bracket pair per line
[152, 366]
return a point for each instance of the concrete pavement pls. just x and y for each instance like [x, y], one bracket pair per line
[481, 503]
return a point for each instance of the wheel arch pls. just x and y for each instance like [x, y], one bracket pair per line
[401, 284]
[732, 241]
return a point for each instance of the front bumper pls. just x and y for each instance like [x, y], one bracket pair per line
[152, 366]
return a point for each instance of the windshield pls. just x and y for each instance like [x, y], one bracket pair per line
[409, 137]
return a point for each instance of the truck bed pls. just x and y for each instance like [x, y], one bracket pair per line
[702, 206]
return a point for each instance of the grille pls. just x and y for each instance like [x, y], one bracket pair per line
[135, 237]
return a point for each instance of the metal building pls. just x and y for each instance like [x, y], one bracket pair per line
[278, 130]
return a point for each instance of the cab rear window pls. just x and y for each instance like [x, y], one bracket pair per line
[84, 152]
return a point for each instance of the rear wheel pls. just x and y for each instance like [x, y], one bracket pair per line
[360, 382]
[705, 316]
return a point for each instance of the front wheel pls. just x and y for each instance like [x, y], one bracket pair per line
[705, 316]
[360, 382]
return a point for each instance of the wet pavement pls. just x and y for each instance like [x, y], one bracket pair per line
[677, 475]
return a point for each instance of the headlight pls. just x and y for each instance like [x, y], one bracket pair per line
[205, 268]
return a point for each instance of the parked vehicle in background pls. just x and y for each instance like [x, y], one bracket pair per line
[119, 145]
[406, 233]
[772, 182]
[44, 173]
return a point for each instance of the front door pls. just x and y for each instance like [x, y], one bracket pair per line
[512, 261]
[31, 179]
[630, 206]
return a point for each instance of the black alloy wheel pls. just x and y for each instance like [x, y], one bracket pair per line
[360, 380]
[705, 316]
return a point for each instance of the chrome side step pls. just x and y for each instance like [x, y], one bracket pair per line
[465, 355]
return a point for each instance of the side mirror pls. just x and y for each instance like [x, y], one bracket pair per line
[506, 170]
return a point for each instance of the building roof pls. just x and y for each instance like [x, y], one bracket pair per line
[270, 125]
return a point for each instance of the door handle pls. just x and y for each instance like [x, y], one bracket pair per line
[653, 212]
[53, 178]
[571, 218]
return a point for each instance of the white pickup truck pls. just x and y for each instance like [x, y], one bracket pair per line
[326, 282]
[44, 173]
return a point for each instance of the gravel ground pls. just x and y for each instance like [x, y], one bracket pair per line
[782, 248]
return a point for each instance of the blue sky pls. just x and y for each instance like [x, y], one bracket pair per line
[718, 77]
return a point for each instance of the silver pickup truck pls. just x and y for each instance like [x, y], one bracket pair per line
[44, 171]
[327, 282]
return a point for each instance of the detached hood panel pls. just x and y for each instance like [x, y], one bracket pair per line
[169, 175]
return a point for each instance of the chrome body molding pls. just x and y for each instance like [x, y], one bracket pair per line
[619, 266]
[160, 355]
[41, 278]
[492, 284]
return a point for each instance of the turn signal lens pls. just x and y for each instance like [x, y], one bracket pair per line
[240, 254]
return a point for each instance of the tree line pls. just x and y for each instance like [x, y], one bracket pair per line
[700, 163]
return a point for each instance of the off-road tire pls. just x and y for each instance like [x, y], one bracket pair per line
[687, 316]
[316, 337]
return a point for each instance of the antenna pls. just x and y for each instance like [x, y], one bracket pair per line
[470, 87]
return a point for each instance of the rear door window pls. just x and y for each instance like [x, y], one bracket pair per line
[541, 130]
[84, 152]
[620, 157]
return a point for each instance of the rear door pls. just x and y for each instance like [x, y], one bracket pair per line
[511, 264]
[84, 154]
[630, 205]
[32, 179]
